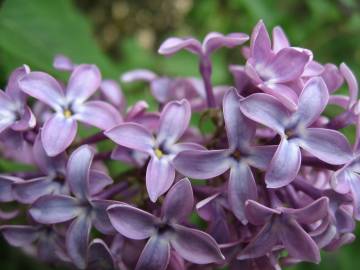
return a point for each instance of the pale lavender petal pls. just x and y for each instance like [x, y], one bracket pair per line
[179, 201]
[328, 145]
[312, 101]
[259, 214]
[240, 130]
[173, 45]
[44, 88]
[280, 40]
[78, 171]
[155, 255]
[284, 166]
[202, 164]
[179, 147]
[6, 186]
[26, 121]
[99, 256]
[77, 239]
[83, 82]
[132, 135]
[51, 209]
[260, 45]
[241, 187]
[56, 142]
[285, 94]
[63, 63]
[160, 175]
[100, 218]
[111, 90]
[332, 77]
[98, 180]
[7, 215]
[352, 83]
[98, 114]
[355, 191]
[131, 222]
[174, 120]
[138, 75]
[260, 156]
[12, 89]
[214, 41]
[195, 246]
[312, 69]
[266, 110]
[162, 89]
[19, 235]
[297, 242]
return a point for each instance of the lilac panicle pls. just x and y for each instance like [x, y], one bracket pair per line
[282, 182]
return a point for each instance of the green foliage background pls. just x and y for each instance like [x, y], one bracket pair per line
[33, 31]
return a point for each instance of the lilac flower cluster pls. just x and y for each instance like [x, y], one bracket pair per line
[283, 182]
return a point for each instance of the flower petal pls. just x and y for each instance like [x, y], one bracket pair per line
[131, 222]
[99, 256]
[257, 213]
[98, 114]
[77, 239]
[98, 180]
[260, 45]
[352, 83]
[179, 201]
[355, 191]
[280, 40]
[195, 246]
[44, 88]
[174, 120]
[51, 209]
[19, 235]
[155, 255]
[12, 89]
[63, 63]
[173, 45]
[83, 82]
[56, 142]
[160, 175]
[113, 93]
[214, 41]
[283, 93]
[284, 166]
[202, 164]
[266, 110]
[260, 156]
[241, 187]
[6, 186]
[328, 145]
[132, 135]
[138, 75]
[100, 218]
[332, 77]
[78, 171]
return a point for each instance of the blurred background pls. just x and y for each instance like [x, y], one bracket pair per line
[119, 35]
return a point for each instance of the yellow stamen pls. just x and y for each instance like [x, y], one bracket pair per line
[67, 113]
[158, 153]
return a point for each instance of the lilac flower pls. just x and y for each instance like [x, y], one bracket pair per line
[14, 113]
[69, 105]
[165, 231]
[83, 210]
[295, 131]
[160, 173]
[211, 43]
[204, 164]
[282, 225]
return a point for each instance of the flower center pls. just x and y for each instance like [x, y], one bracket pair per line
[67, 113]
[236, 155]
[159, 153]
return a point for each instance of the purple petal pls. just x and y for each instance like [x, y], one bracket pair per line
[352, 83]
[100, 218]
[6, 186]
[51, 209]
[99, 256]
[240, 130]
[179, 201]
[111, 90]
[173, 45]
[78, 171]
[26, 121]
[355, 191]
[63, 63]
[44, 88]
[83, 82]
[12, 89]
[280, 40]
[202, 164]
[133, 136]
[284, 166]
[7, 215]
[174, 120]
[195, 246]
[260, 156]
[98, 180]
[241, 187]
[286, 95]
[138, 75]
[77, 239]
[259, 214]
[160, 175]
[98, 114]
[155, 255]
[332, 77]
[19, 235]
[131, 222]
[312, 101]
[260, 44]
[298, 243]
[214, 41]
[266, 110]
[56, 142]
[328, 145]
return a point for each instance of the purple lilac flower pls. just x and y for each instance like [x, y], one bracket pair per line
[204, 164]
[160, 173]
[69, 105]
[211, 43]
[165, 231]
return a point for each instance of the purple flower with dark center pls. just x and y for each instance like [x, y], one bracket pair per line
[283, 226]
[174, 120]
[204, 164]
[14, 113]
[84, 210]
[165, 231]
[211, 43]
[69, 105]
[295, 131]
